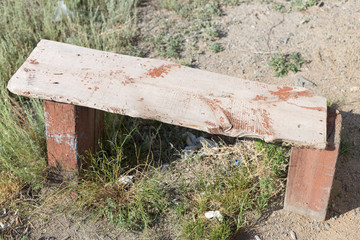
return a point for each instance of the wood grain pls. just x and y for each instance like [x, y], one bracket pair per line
[171, 93]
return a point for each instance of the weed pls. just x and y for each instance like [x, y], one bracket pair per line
[187, 62]
[346, 147]
[216, 47]
[169, 46]
[283, 63]
[193, 9]
[218, 184]
[301, 5]
[279, 7]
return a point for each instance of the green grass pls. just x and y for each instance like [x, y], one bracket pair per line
[105, 25]
[180, 193]
[282, 64]
[183, 192]
[301, 5]
[216, 47]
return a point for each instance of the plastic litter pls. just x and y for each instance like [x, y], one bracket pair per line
[62, 11]
[214, 214]
[3, 226]
[126, 179]
[195, 143]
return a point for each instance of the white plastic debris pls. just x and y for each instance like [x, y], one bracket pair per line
[214, 214]
[3, 226]
[61, 11]
[257, 237]
[125, 179]
[293, 235]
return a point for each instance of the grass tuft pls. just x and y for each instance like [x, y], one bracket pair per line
[282, 64]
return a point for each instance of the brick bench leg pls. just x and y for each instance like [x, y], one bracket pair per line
[70, 132]
[311, 173]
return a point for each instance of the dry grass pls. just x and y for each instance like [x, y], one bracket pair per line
[10, 185]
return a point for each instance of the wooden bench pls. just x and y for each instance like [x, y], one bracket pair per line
[77, 84]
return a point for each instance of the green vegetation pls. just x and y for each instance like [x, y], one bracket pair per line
[283, 63]
[178, 194]
[216, 47]
[300, 5]
[287, 6]
[238, 180]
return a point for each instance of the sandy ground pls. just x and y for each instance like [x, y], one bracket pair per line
[329, 38]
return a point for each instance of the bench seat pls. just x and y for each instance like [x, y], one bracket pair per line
[78, 84]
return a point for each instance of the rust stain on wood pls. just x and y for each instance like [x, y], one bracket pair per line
[210, 124]
[33, 61]
[116, 72]
[128, 80]
[314, 108]
[141, 99]
[260, 97]
[261, 125]
[26, 69]
[96, 88]
[285, 93]
[161, 71]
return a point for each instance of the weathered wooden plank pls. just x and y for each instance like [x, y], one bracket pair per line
[171, 93]
[70, 132]
[311, 173]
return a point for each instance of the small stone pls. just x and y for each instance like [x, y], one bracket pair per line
[3, 226]
[257, 237]
[302, 81]
[315, 224]
[327, 225]
[293, 235]
[354, 89]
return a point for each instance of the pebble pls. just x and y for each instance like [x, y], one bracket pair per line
[327, 225]
[354, 89]
[257, 237]
[302, 81]
[315, 224]
[356, 212]
[293, 235]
